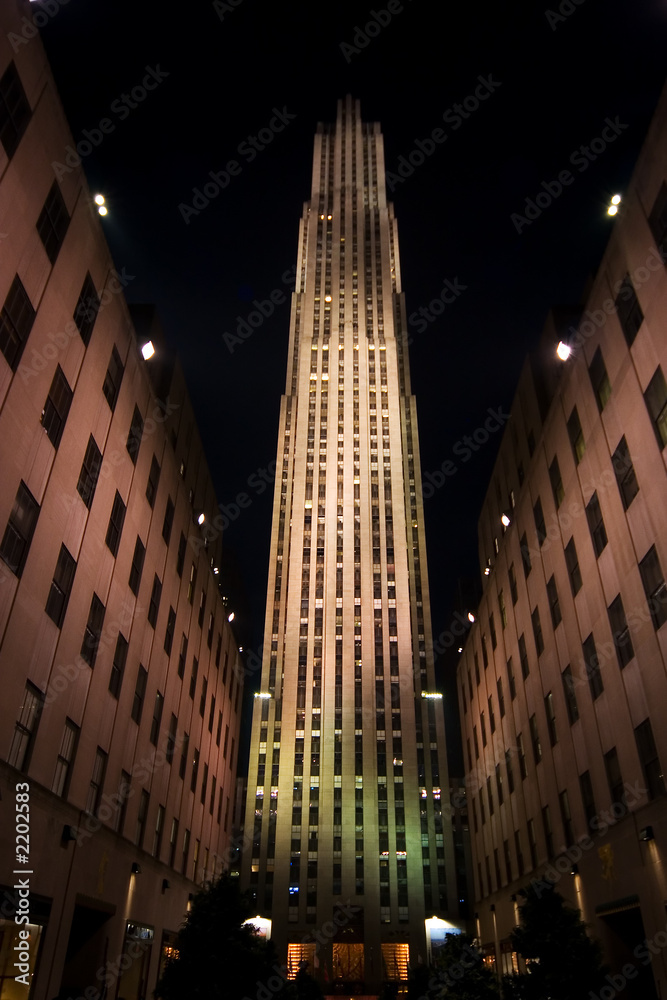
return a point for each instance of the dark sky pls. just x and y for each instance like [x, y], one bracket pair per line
[553, 79]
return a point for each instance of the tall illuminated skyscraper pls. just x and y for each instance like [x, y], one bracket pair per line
[352, 847]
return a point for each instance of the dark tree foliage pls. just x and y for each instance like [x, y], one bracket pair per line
[219, 958]
[567, 962]
[458, 973]
[304, 987]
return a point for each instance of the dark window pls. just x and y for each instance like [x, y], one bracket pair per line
[16, 321]
[193, 676]
[171, 739]
[168, 520]
[154, 605]
[556, 483]
[540, 527]
[572, 562]
[656, 404]
[599, 380]
[587, 797]
[629, 311]
[86, 310]
[501, 697]
[535, 739]
[182, 655]
[116, 521]
[570, 696]
[510, 679]
[523, 656]
[592, 667]
[625, 473]
[657, 220]
[195, 770]
[65, 759]
[20, 529]
[157, 718]
[15, 110]
[118, 666]
[192, 583]
[139, 694]
[202, 608]
[654, 586]
[530, 440]
[566, 817]
[537, 631]
[112, 379]
[142, 814]
[503, 609]
[614, 776]
[53, 222]
[25, 729]
[61, 587]
[513, 588]
[576, 436]
[180, 560]
[485, 655]
[90, 471]
[93, 632]
[153, 480]
[211, 715]
[202, 700]
[169, 634]
[521, 753]
[596, 524]
[492, 630]
[525, 555]
[137, 565]
[520, 473]
[96, 782]
[56, 407]
[620, 632]
[648, 756]
[548, 831]
[492, 718]
[134, 437]
[551, 718]
[554, 603]
[519, 852]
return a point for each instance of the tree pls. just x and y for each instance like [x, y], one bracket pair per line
[566, 963]
[220, 958]
[461, 973]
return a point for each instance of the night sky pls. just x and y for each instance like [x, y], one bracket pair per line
[548, 80]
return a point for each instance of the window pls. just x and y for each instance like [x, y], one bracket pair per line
[599, 380]
[523, 656]
[16, 321]
[522, 755]
[157, 835]
[65, 759]
[202, 700]
[184, 756]
[596, 524]
[510, 679]
[540, 527]
[532, 843]
[173, 840]
[181, 555]
[537, 631]
[548, 831]
[655, 398]
[169, 633]
[90, 471]
[53, 222]
[56, 407]
[501, 697]
[629, 311]
[572, 562]
[192, 582]
[576, 436]
[657, 220]
[61, 587]
[570, 696]
[137, 565]
[519, 852]
[513, 589]
[195, 771]
[193, 676]
[204, 784]
[482, 725]
[113, 379]
[171, 739]
[592, 667]
[648, 756]
[186, 851]
[492, 631]
[525, 555]
[153, 480]
[492, 718]
[587, 798]
[182, 655]
[20, 529]
[86, 310]
[115, 524]
[142, 814]
[157, 718]
[93, 632]
[556, 483]
[25, 729]
[202, 608]
[620, 632]
[554, 603]
[118, 666]
[139, 694]
[625, 473]
[96, 782]
[211, 715]
[154, 605]
[168, 520]
[134, 436]
[15, 110]
[503, 610]
[551, 718]
[654, 587]
[614, 776]
[535, 739]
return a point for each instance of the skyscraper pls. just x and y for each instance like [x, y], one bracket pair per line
[348, 845]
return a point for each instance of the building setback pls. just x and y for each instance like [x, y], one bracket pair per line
[348, 848]
[121, 680]
[562, 681]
